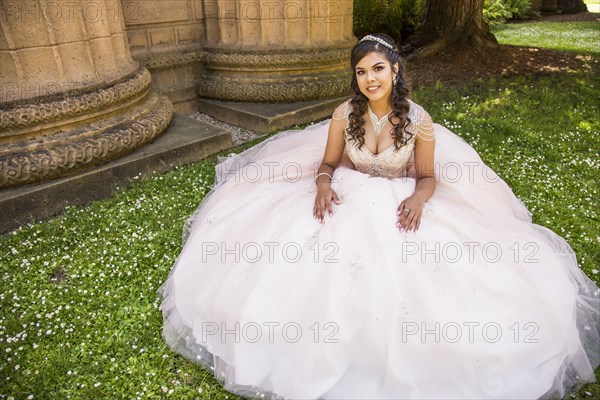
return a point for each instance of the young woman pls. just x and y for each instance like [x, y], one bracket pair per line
[402, 267]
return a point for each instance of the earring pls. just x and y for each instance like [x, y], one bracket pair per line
[394, 80]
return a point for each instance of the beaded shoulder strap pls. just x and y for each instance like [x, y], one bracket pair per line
[421, 122]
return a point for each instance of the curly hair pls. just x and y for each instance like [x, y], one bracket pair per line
[400, 91]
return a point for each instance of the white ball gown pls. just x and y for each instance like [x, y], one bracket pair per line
[479, 303]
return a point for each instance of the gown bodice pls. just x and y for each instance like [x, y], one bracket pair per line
[390, 162]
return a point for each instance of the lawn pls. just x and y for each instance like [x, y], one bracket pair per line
[80, 313]
[582, 37]
[84, 319]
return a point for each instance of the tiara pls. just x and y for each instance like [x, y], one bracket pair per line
[379, 40]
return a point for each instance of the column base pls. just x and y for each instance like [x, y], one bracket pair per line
[185, 141]
[56, 136]
[269, 117]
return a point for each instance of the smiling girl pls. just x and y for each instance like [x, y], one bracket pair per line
[419, 274]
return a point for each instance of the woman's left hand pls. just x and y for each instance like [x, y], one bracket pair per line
[409, 214]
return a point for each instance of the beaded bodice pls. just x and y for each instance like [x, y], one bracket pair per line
[388, 163]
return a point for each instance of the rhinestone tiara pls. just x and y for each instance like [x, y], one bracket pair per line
[379, 40]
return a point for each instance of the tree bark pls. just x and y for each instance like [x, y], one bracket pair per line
[572, 6]
[549, 6]
[451, 23]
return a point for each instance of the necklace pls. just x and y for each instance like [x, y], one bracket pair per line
[377, 123]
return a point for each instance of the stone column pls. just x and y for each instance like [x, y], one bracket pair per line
[71, 95]
[276, 51]
[166, 37]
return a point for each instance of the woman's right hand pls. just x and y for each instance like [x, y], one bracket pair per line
[324, 201]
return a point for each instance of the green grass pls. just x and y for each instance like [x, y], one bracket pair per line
[581, 37]
[96, 334]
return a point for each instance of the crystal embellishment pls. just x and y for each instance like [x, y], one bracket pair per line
[378, 124]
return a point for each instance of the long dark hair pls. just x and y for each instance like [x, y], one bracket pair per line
[400, 91]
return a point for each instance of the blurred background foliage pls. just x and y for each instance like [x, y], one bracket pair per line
[401, 18]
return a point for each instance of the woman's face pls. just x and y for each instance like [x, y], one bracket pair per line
[374, 76]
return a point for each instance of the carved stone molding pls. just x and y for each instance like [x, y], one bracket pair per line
[57, 135]
[21, 114]
[160, 62]
[260, 89]
[212, 59]
[265, 59]
[279, 75]
[85, 146]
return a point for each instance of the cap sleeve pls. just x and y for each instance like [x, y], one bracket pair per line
[341, 112]
[422, 123]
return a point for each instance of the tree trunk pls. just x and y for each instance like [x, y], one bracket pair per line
[451, 23]
[536, 5]
[572, 6]
[549, 6]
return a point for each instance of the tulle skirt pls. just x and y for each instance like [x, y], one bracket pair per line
[478, 303]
